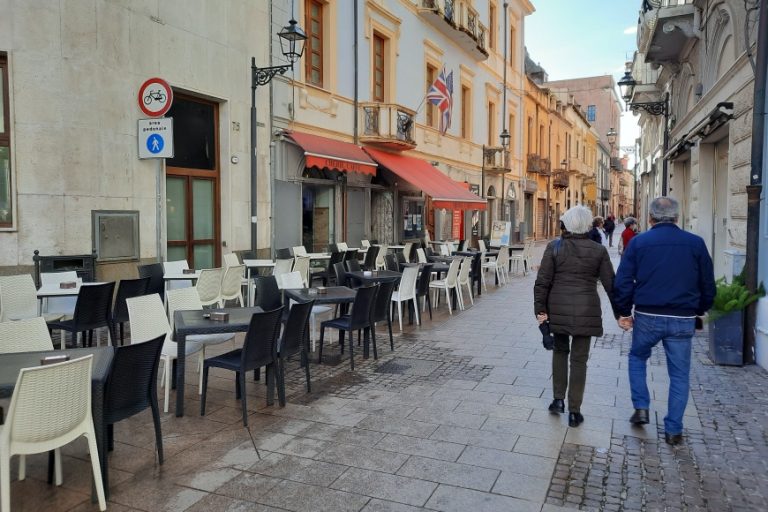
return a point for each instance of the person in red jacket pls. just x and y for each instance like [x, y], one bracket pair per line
[630, 228]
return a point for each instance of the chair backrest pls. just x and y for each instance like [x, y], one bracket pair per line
[232, 282]
[383, 300]
[503, 257]
[301, 265]
[176, 267]
[370, 257]
[407, 251]
[421, 255]
[154, 271]
[332, 248]
[462, 245]
[29, 335]
[340, 273]
[126, 289]
[268, 296]
[451, 247]
[132, 380]
[444, 250]
[400, 257]
[362, 308]
[453, 272]
[353, 265]
[296, 328]
[208, 285]
[146, 315]
[427, 237]
[351, 254]
[64, 305]
[422, 285]
[18, 297]
[283, 254]
[282, 266]
[390, 263]
[380, 263]
[93, 307]
[180, 300]
[260, 345]
[299, 250]
[336, 257]
[231, 260]
[481, 245]
[366, 244]
[342, 246]
[290, 281]
[50, 404]
[466, 266]
[407, 288]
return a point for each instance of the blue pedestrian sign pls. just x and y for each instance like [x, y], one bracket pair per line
[156, 137]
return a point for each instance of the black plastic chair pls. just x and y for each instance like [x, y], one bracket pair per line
[353, 265]
[370, 257]
[267, 294]
[400, 257]
[382, 310]
[328, 274]
[132, 387]
[390, 261]
[462, 245]
[422, 288]
[92, 311]
[351, 254]
[332, 248]
[359, 319]
[341, 274]
[284, 254]
[126, 289]
[259, 349]
[155, 273]
[294, 341]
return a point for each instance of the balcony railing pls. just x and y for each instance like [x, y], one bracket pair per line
[534, 163]
[493, 160]
[665, 30]
[458, 20]
[545, 166]
[560, 179]
[388, 125]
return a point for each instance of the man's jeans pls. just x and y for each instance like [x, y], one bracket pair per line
[675, 333]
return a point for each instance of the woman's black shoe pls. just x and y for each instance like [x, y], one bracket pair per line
[575, 419]
[557, 406]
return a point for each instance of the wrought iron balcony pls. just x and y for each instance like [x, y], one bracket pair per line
[545, 167]
[667, 30]
[560, 178]
[493, 160]
[458, 20]
[605, 194]
[534, 163]
[530, 185]
[387, 125]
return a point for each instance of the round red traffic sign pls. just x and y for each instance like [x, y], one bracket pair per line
[155, 97]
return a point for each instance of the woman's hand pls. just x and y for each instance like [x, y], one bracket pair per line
[542, 317]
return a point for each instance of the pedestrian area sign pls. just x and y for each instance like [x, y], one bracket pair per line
[156, 138]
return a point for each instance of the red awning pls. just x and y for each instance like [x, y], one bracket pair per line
[325, 153]
[445, 192]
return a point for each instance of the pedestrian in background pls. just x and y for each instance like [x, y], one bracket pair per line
[609, 226]
[594, 233]
[565, 295]
[630, 228]
[666, 273]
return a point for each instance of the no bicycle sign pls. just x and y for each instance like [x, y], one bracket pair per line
[155, 97]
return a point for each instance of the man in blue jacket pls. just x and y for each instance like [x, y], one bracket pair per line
[666, 273]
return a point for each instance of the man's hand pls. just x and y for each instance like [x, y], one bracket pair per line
[542, 317]
[626, 322]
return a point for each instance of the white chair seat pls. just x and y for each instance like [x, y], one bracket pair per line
[171, 348]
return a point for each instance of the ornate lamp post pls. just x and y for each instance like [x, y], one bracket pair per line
[627, 86]
[292, 40]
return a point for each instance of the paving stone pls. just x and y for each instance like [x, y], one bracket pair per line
[424, 447]
[366, 458]
[398, 426]
[522, 486]
[377, 505]
[541, 467]
[459, 475]
[309, 498]
[443, 417]
[497, 440]
[303, 470]
[454, 499]
[410, 491]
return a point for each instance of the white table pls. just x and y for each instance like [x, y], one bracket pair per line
[321, 255]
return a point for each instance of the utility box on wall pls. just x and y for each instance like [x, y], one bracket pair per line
[115, 235]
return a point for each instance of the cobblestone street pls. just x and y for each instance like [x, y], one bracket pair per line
[454, 419]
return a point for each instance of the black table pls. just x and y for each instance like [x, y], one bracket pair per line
[191, 322]
[333, 295]
[375, 276]
[11, 365]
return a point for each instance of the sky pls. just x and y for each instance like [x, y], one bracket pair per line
[577, 38]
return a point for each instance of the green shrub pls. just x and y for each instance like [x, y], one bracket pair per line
[732, 297]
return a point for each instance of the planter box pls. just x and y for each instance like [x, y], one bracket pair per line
[726, 339]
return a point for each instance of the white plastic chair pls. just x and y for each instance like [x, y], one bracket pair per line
[50, 407]
[342, 246]
[28, 335]
[527, 256]
[208, 286]
[18, 299]
[464, 280]
[494, 264]
[503, 262]
[65, 306]
[282, 266]
[444, 250]
[176, 267]
[301, 265]
[364, 246]
[407, 251]
[231, 260]
[481, 245]
[449, 283]
[231, 285]
[421, 255]
[146, 316]
[299, 250]
[381, 263]
[405, 292]
[517, 260]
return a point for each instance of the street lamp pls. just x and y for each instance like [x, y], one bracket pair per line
[627, 86]
[292, 40]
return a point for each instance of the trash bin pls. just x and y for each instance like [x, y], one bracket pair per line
[726, 339]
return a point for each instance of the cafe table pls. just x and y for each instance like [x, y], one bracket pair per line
[11, 365]
[198, 321]
[374, 276]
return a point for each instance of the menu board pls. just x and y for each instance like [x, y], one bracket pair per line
[500, 233]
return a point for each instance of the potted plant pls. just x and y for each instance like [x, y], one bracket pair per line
[726, 330]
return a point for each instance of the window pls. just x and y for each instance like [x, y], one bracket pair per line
[6, 205]
[378, 67]
[313, 60]
[591, 111]
[531, 144]
[466, 112]
[432, 116]
[492, 26]
[492, 141]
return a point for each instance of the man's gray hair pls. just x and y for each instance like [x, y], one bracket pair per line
[664, 209]
[577, 220]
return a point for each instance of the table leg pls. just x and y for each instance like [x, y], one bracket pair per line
[101, 441]
[181, 342]
[250, 288]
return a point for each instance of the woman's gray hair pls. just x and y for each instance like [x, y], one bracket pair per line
[664, 209]
[577, 220]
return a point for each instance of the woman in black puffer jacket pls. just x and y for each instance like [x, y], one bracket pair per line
[565, 294]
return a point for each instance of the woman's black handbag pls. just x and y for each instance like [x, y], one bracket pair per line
[547, 339]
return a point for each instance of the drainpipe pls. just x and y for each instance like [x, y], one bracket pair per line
[755, 187]
[357, 92]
